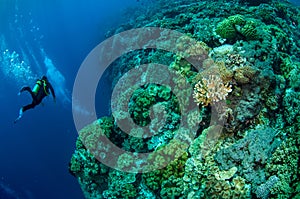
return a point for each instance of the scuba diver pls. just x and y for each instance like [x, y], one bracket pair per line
[40, 90]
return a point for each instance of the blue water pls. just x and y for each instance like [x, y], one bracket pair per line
[295, 2]
[53, 38]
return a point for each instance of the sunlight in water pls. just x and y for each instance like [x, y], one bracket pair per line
[56, 78]
[13, 67]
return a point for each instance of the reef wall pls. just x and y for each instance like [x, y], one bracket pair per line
[255, 47]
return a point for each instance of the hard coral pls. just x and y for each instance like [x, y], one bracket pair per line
[175, 168]
[210, 90]
[226, 189]
[263, 190]
[250, 154]
[121, 185]
[90, 173]
[237, 26]
[226, 29]
[250, 31]
[285, 165]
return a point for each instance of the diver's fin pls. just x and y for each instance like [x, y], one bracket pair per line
[20, 115]
[17, 120]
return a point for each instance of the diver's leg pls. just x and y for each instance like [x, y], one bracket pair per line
[25, 88]
[28, 89]
[29, 106]
[25, 108]
[20, 115]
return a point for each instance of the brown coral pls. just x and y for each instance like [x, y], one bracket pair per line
[210, 90]
[244, 74]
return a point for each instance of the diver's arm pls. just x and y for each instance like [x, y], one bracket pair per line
[52, 91]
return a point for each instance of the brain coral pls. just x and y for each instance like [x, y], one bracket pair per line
[236, 26]
[226, 29]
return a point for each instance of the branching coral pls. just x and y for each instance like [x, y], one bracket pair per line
[210, 90]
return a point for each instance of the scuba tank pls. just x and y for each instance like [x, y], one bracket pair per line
[38, 85]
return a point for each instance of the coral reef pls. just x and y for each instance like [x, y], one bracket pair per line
[244, 53]
[121, 185]
[92, 176]
[169, 179]
[285, 165]
[264, 189]
[250, 154]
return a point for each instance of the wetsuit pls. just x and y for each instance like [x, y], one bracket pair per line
[40, 90]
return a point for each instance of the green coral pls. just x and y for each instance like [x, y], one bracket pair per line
[175, 168]
[237, 20]
[169, 174]
[284, 164]
[75, 165]
[146, 97]
[125, 161]
[135, 143]
[294, 76]
[280, 39]
[291, 103]
[90, 173]
[200, 165]
[226, 29]
[172, 188]
[121, 185]
[286, 64]
[183, 67]
[158, 107]
[249, 30]
[237, 188]
[90, 134]
[84, 163]
[203, 178]
[290, 70]
[235, 26]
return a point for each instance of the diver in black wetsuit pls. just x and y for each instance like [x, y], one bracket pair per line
[40, 90]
